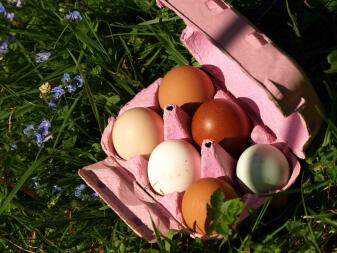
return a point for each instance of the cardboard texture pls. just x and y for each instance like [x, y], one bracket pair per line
[247, 68]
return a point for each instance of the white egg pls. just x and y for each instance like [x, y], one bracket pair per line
[173, 166]
[262, 168]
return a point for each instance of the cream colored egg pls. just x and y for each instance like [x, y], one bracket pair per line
[137, 132]
[173, 166]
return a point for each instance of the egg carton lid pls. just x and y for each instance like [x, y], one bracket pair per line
[266, 81]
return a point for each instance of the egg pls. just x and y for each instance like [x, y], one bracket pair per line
[137, 132]
[185, 86]
[197, 197]
[224, 122]
[173, 166]
[262, 168]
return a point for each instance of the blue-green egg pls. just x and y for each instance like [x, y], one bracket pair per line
[262, 168]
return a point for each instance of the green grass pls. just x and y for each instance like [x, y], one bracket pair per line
[119, 48]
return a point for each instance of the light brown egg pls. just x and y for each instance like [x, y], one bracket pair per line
[137, 132]
[196, 198]
[185, 86]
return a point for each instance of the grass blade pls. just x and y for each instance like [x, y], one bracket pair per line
[20, 183]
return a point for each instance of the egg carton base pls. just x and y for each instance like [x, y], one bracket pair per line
[139, 210]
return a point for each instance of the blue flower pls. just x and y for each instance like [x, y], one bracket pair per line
[79, 189]
[56, 189]
[4, 48]
[38, 138]
[94, 195]
[2, 9]
[71, 88]
[77, 193]
[73, 16]
[44, 124]
[17, 3]
[41, 133]
[65, 78]
[44, 127]
[42, 56]
[13, 146]
[52, 104]
[7, 15]
[58, 92]
[28, 130]
[10, 16]
[77, 83]
[35, 184]
[68, 84]
[78, 80]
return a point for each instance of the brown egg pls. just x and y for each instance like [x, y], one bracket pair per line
[196, 198]
[185, 86]
[224, 122]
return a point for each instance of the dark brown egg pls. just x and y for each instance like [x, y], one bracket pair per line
[185, 86]
[224, 122]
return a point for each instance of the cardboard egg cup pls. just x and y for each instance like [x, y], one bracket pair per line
[245, 67]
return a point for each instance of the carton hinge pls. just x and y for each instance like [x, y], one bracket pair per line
[257, 39]
[216, 6]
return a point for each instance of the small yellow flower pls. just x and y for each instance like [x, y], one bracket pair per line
[45, 88]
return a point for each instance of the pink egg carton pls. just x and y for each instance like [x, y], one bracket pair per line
[247, 68]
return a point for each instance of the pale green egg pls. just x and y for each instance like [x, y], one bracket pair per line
[262, 168]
